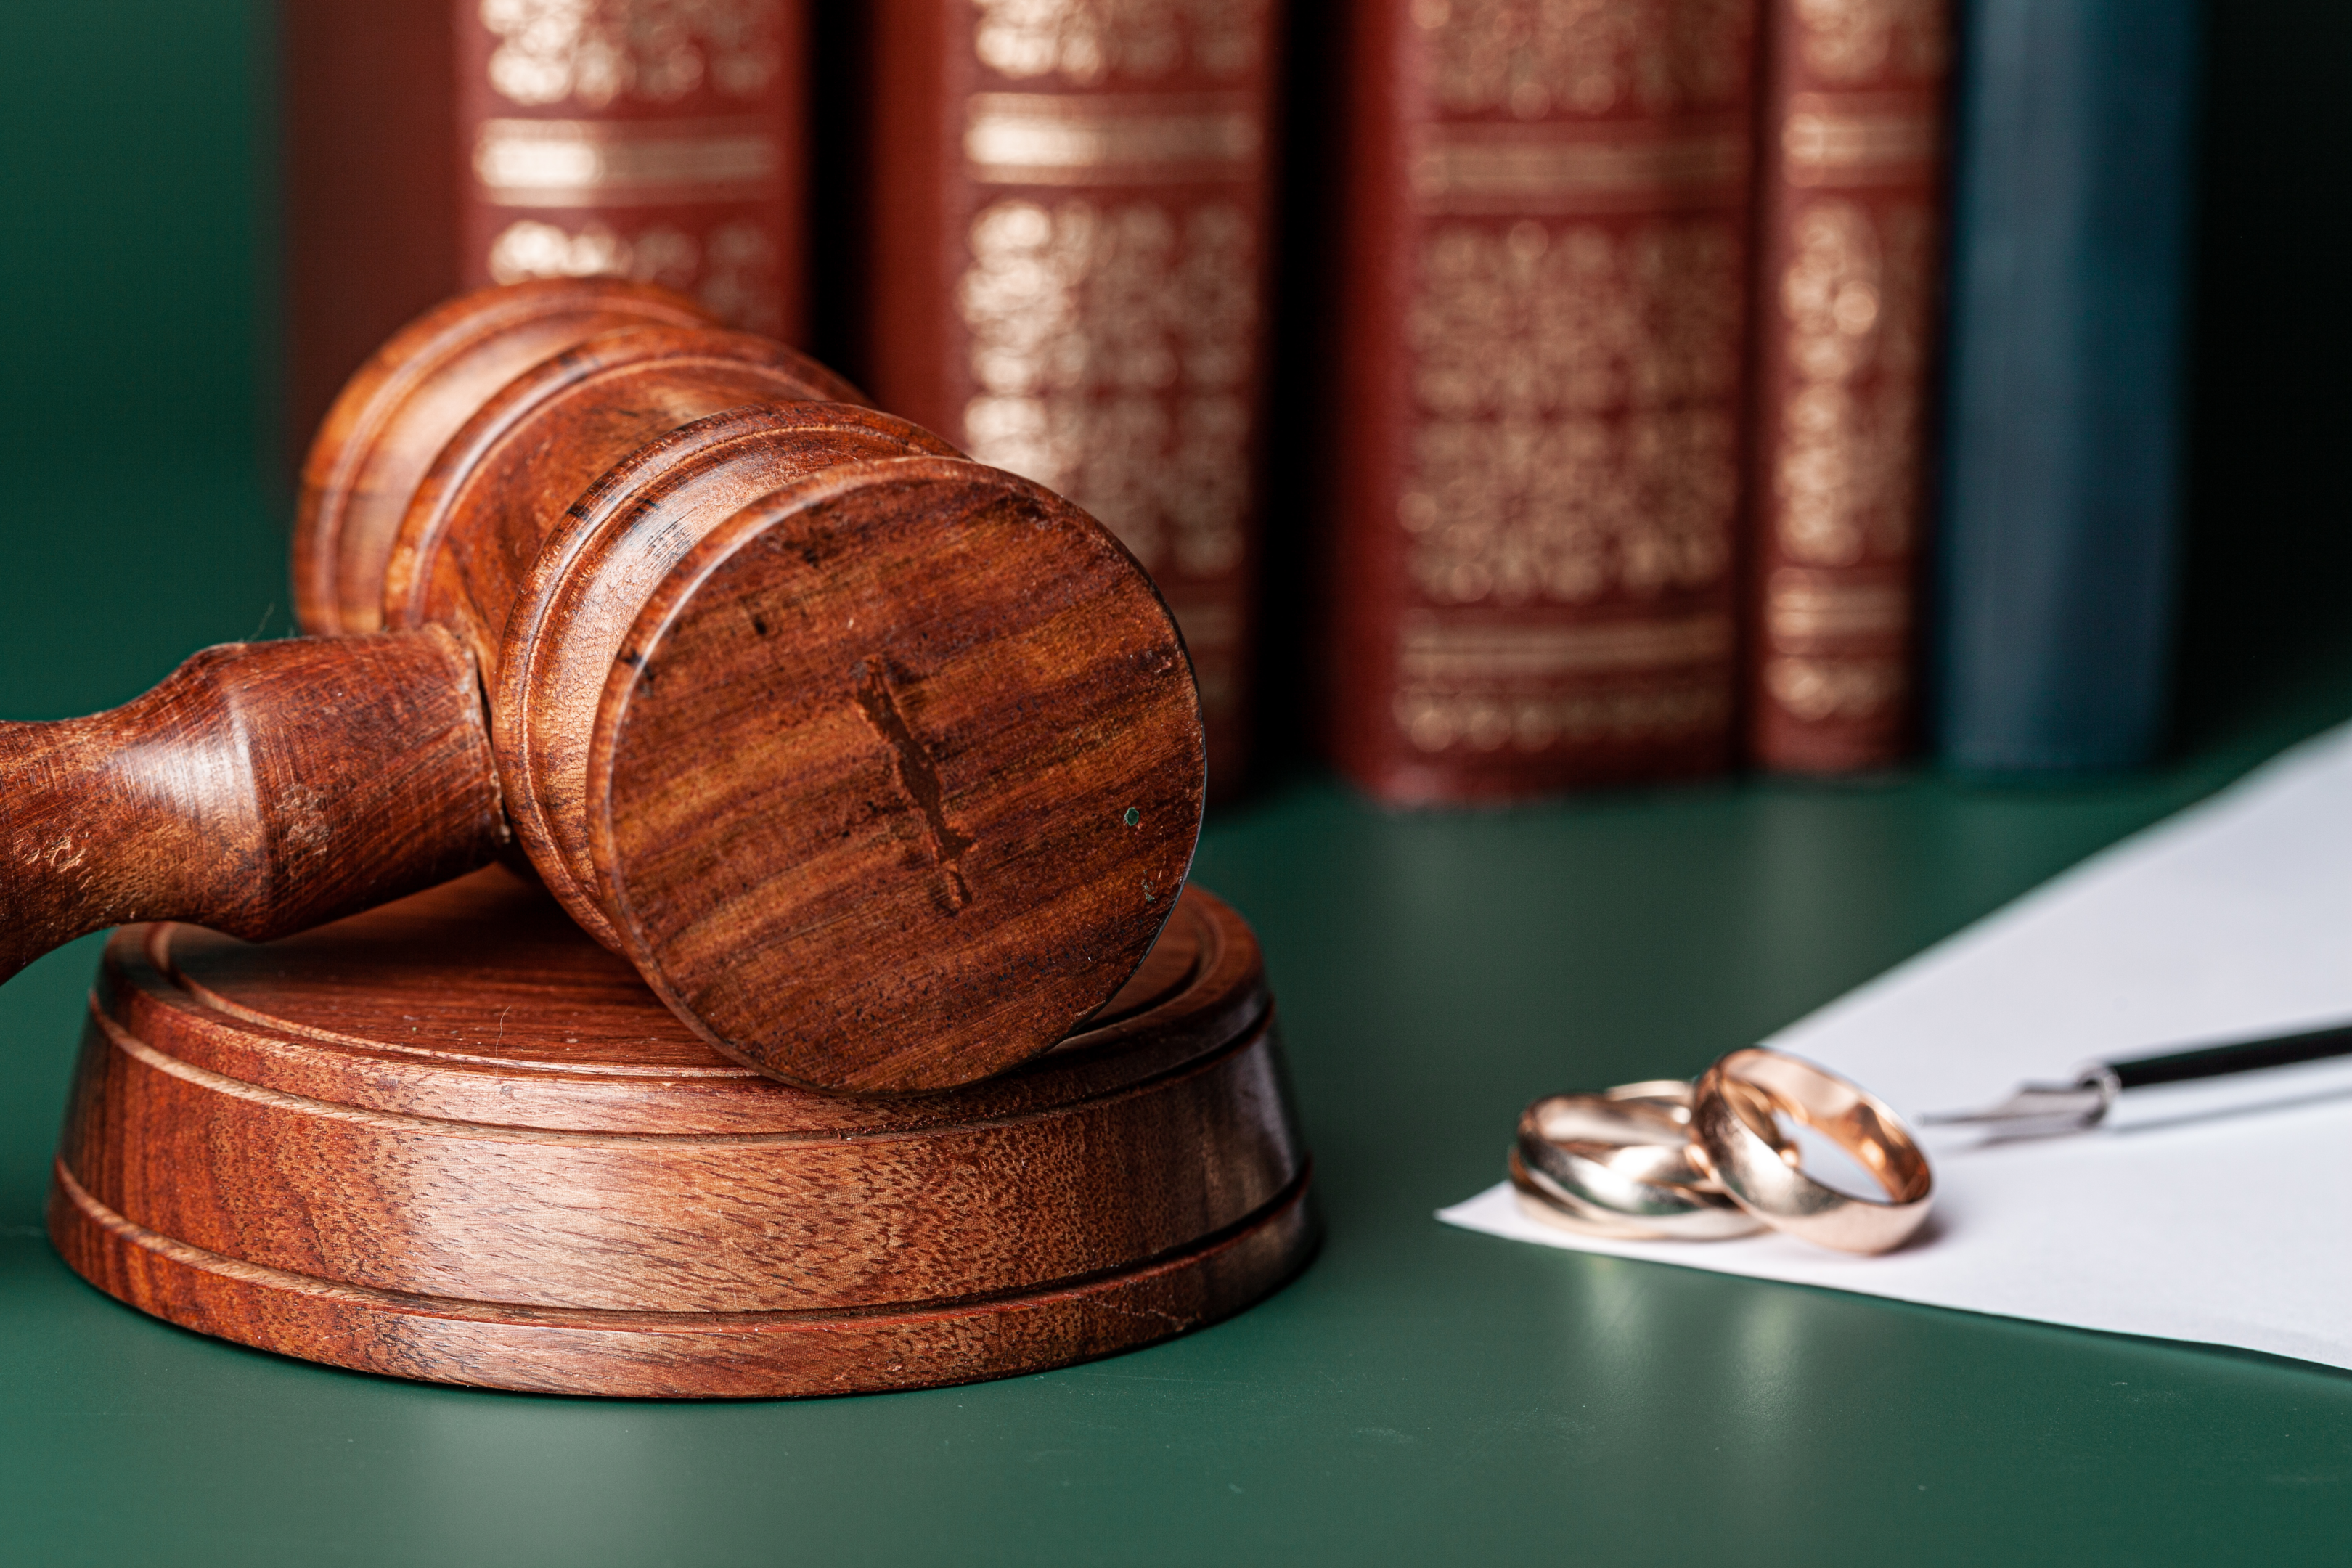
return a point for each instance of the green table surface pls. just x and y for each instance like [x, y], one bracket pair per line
[1419, 1394]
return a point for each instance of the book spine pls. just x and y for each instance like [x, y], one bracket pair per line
[2074, 190]
[371, 188]
[1847, 302]
[1540, 407]
[637, 139]
[1071, 261]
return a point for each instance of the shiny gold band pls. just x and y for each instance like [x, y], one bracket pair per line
[1734, 1131]
[1618, 1164]
[1543, 1200]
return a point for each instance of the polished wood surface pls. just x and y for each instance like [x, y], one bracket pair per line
[391, 421]
[453, 1139]
[494, 544]
[500, 484]
[263, 788]
[882, 766]
[1006, 794]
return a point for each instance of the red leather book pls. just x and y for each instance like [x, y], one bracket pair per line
[1540, 398]
[638, 138]
[440, 145]
[1070, 251]
[1849, 183]
[371, 175]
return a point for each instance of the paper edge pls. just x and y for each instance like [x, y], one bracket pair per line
[1453, 1215]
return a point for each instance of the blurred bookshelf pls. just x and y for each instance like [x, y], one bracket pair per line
[146, 335]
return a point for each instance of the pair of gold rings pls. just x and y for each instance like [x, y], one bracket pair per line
[1709, 1160]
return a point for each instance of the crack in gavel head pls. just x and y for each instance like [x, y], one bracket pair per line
[883, 766]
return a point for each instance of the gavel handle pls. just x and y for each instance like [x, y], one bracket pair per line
[264, 787]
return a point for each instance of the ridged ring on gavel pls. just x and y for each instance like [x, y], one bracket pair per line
[1733, 1129]
[1618, 1164]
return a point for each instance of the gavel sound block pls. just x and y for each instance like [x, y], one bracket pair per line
[454, 1139]
[884, 768]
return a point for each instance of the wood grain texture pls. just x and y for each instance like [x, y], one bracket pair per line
[832, 742]
[994, 774]
[453, 1139]
[902, 754]
[262, 788]
[501, 482]
[389, 422]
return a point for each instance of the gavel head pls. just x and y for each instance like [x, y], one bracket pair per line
[884, 767]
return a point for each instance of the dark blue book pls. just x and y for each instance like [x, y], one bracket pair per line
[2065, 402]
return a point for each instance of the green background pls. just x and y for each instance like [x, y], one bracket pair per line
[1420, 1395]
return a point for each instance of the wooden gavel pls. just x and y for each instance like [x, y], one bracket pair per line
[883, 767]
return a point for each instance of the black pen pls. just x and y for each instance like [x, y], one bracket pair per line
[2086, 1101]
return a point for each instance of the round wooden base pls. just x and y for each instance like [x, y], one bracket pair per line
[453, 1139]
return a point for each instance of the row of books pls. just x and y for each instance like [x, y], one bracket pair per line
[1633, 311]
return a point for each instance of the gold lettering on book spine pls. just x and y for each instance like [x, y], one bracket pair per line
[1852, 140]
[1086, 41]
[1814, 689]
[1812, 621]
[1561, 166]
[1485, 684]
[1853, 40]
[1114, 341]
[1852, 301]
[1577, 388]
[1576, 372]
[1113, 345]
[591, 163]
[731, 268]
[595, 51]
[1488, 720]
[1535, 58]
[1804, 610]
[591, 54]
[1059, 138]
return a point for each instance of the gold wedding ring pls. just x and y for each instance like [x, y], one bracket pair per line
[1618, 1164]
[1734, 1131]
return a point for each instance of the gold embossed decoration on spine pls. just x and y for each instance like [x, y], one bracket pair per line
[656, 140]
[1852, 178]
[1545, 311]
[1104, 199]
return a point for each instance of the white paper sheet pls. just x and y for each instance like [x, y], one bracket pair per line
[2230, 920]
